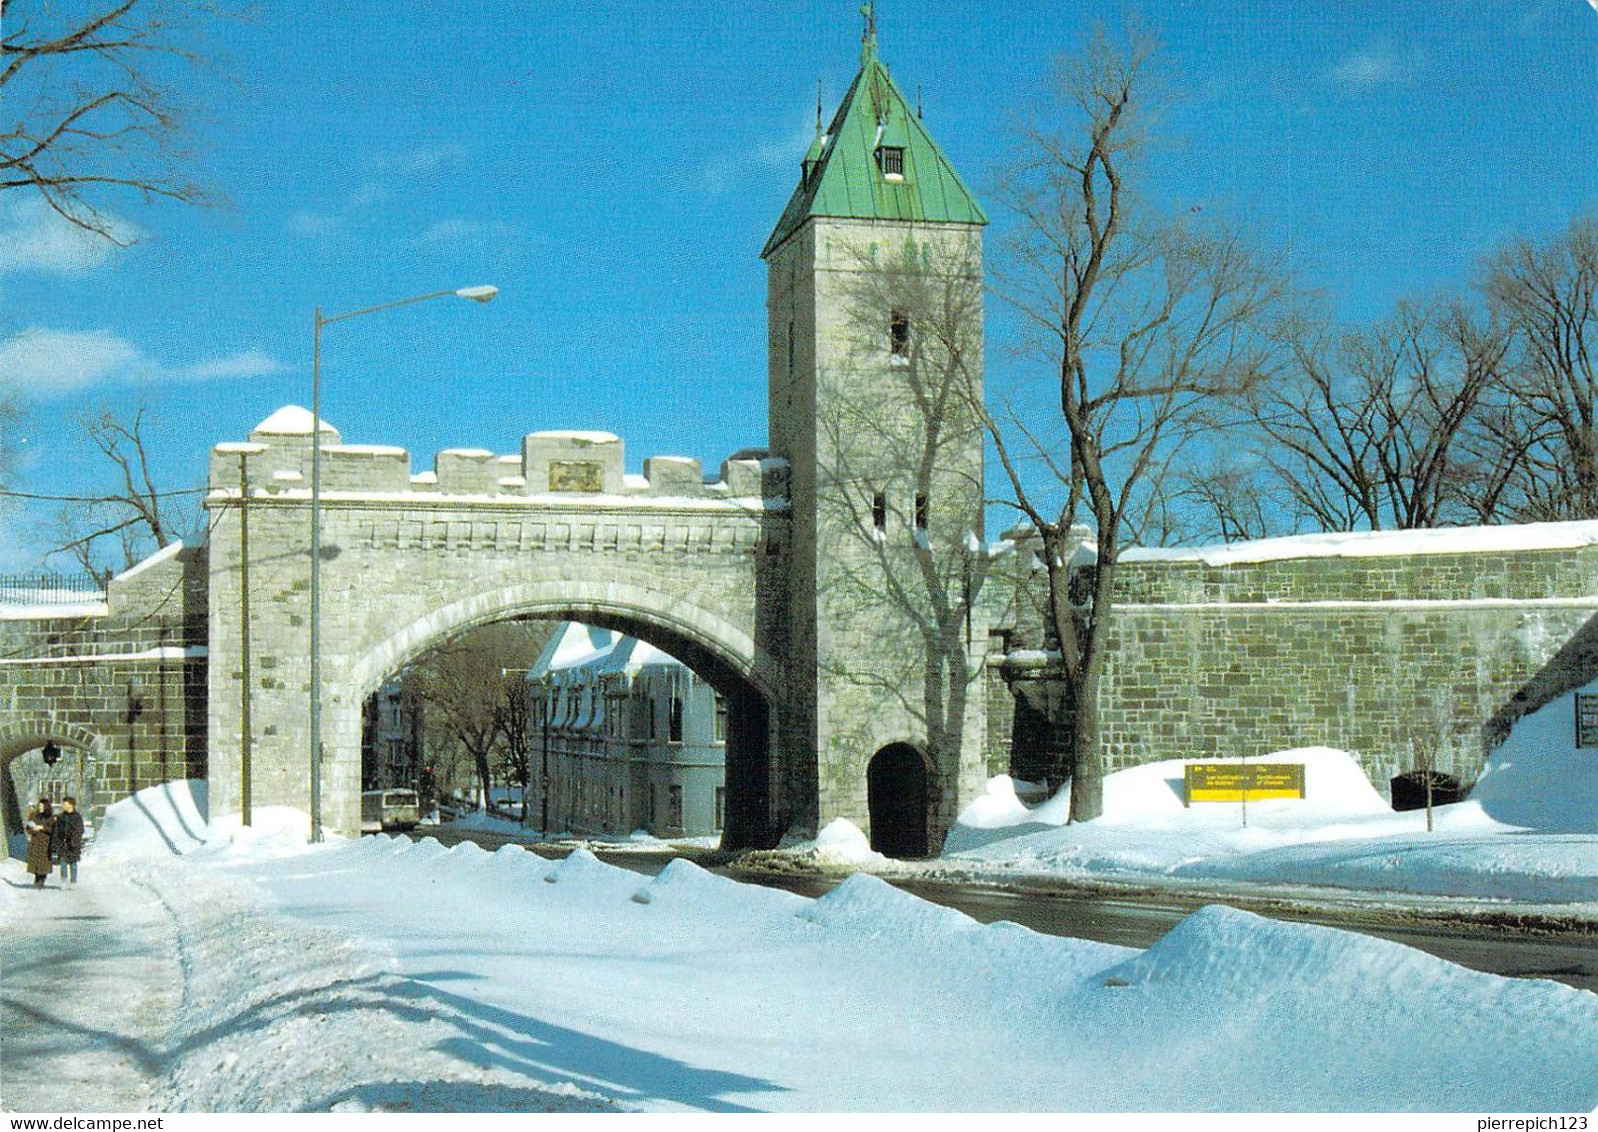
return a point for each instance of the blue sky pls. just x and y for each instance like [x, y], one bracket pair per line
[614, 170]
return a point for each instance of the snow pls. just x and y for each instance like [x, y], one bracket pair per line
[840, 843]
[52, 610]
[159, 652]
[168, 552]
[1366, 544]
[292, 420]
[579, 435]
[249, 973]
[1528, 833]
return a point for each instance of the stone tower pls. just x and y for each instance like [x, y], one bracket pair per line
[874, 303]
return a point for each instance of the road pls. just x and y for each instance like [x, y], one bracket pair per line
[1138, 920]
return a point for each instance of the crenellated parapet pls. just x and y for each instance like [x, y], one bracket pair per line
[552, 467]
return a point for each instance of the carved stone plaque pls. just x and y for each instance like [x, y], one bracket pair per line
[576, 475]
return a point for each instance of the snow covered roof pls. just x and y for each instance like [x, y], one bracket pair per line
[1375, 544]
[292, 420]
[573, 644]
[580, 435]
[599, 651]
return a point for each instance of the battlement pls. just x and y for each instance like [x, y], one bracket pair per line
[276, 461]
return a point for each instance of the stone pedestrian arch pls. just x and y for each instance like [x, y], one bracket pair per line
[84, 754]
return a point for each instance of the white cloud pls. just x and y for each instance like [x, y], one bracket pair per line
[449, 231]
[423, 159]
[304, 223]
[1376, 64]
[34, 237]
[246, 364]
[42, 363]
[756, 161]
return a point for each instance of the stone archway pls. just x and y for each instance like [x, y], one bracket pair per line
[84, 757]
[898, 796]
[719, 652]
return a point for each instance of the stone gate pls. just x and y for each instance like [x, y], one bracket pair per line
[558, 530]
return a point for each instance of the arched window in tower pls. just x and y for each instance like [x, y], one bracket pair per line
[899, 336]
[674, 733]
[879, 512]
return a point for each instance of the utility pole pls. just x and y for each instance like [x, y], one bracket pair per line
[244, 638]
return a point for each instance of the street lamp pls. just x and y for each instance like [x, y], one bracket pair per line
[480, 294]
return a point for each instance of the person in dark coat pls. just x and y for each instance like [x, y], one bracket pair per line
[66, 844]
[40, 825]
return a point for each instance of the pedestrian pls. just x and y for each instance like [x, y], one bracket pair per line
[67, 842]
[40, 825]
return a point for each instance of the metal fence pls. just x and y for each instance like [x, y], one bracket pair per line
[49, 589]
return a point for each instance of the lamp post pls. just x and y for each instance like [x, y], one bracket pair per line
[477, 294]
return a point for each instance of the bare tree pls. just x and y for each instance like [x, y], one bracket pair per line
[133, 516]
[1368, 430]
[93, 111]
[513, 711]
[464, 686]
[1547, 297]
[1150, 327]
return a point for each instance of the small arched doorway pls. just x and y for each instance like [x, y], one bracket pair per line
[25, 776]
[896, 794]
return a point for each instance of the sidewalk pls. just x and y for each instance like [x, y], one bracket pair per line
[89, 985]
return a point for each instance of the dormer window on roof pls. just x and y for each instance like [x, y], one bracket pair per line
[890, 159]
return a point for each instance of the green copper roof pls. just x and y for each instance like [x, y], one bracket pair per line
[844, 179]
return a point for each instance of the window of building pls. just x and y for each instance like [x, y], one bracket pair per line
[921, 511]
[879, 511]
[890, 159]
[675, 734]
[721, 718]
[721, 806]
[899, 336]
[674, 807]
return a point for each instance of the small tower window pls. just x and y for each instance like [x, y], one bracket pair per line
[879, 512]
[674, 728]
[890, 159]
[899, 335]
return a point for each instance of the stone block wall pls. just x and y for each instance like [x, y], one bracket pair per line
[1395, 657]
[123, 689]
[409, 560]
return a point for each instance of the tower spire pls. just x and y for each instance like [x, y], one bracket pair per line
[868, 35]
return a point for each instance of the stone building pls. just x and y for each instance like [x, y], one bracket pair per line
[391, 738]
[634, 738]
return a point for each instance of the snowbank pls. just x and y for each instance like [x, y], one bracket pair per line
[841, 844]
[1539, 779]
[168, 819]
[1526, 834]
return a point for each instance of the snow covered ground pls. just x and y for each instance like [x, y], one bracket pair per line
[1528, 833]
[258, 973]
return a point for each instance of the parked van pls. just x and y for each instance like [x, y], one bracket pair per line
[386, 810]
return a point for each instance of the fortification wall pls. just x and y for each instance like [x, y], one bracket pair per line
[1395, 648]
[121, 686]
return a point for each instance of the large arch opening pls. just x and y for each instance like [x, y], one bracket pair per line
[898, 799]
[715, 702]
